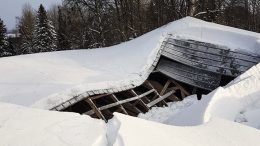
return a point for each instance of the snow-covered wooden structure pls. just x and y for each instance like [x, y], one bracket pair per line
[196, 64]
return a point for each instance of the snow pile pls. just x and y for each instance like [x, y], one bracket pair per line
[166, 114]
[129, 131]
[239, 101]
[21, 126]
[46, 80]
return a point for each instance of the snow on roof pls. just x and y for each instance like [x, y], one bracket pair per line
[46, 80]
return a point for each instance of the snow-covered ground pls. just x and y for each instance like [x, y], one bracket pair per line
[46, 80]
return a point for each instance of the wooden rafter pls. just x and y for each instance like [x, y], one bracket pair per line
[183, 91]
[95, 109]
[165, 87]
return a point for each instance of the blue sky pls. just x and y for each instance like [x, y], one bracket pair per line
[9, 9]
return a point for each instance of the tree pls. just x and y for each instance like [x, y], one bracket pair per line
[45, 38]
[3, 40]
[26, 27]
[63, 42]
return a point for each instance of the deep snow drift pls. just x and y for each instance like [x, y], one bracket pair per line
[20, 126]
[129, 131]
[46, 80]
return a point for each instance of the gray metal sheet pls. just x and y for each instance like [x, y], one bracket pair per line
[190, 75]
[210, 58]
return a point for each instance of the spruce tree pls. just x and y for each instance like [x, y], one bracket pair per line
[26, 28]
[45, 38]
[3, 40]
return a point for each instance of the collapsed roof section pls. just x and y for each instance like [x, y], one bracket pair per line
[197, 64]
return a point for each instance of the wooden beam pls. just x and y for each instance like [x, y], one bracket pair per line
[165, 87]
[140, 100]
[181, 88]
[160, 99]
[120, 105]
[151, 87]
[98, 96]
[157, 94]
[121, 102]
[95, 109]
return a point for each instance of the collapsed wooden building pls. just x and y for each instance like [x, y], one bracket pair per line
[182, 67]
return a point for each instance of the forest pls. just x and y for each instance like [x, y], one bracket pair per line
[81, 24]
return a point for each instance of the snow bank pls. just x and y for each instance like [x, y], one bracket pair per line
[129, 131]
[239, 101]
[27, 126]
[46, 80]
[21, 126]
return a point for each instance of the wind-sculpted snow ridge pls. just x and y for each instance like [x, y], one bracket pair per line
[47, 80]
[239, 101]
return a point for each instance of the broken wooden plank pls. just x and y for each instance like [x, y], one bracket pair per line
[160, 99]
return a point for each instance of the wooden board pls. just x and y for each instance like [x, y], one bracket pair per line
[187, 74]
[210, 58]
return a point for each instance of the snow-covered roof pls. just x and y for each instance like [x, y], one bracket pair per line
[45, 80]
